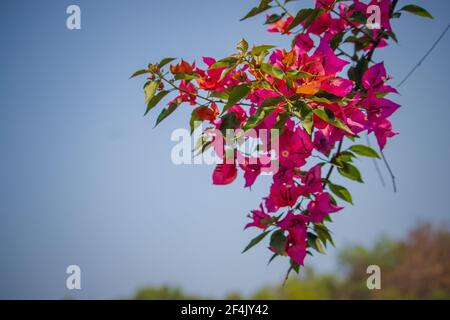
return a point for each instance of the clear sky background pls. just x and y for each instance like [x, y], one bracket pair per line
[84, 179]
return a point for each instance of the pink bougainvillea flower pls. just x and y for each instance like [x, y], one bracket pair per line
[321, 206]
[251, 172]
[296, 240]
[252, 167]
[187, 93]
[312, 180]
[320, 25]
[383, 131]
[338, 86]
[239, 76]
[383, 5]
[374, 80]
[281, 25]
[258, 96]
[303, 43]
[385, 8]
[260, 218]
[224, 174]
[284, 174]
[207, 113]
[293, 221]
[331, 63]
[322, 142]
[381, 43]
[270, 206]
[374, 76]
[355, 119]
[296, 246]
[295, 147]
[182, 67]
[210, 79]
[284, 194]
[379, 107]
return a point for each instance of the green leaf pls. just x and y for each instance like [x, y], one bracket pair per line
[259, 116]
[256, 240]
[270, 102]
[236, 94]
[319, 246]
[350, 171]
[229, 121]
[308, 15]
[165, 61]
[295, 266]
[336, 40]
[263, 6]
[262, 112]
[418, 11]
[322, 114]
[139, 72]
[221, 95]
[278, 241]
[345, 156]
[185, 76]
[281, 121]
[295, 74]
[256, 51]
[305, 115]
[338, 123]
[201, 144]
[272, 258]
[150, 90]
[155, 100]
[273, 71]
[226, 71]
[328, 116]
[242, 45]
[314, 242]
[273, 18]
[195, 120]
[308, 123]
[323, 233]
[299, 17]
[392, 35]
[365, 151]
[225, 62]
[341, 192]
[166, 112]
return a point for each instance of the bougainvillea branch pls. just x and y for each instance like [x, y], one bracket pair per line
[313, 100]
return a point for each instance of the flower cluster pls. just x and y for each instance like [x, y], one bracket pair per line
[315, 94]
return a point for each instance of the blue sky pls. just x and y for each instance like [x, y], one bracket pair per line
[86, 180]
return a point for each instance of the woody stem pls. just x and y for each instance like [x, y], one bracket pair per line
[283, 8]
[330, 171]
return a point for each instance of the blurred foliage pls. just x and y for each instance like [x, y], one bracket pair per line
[163, 293]
[417, 267]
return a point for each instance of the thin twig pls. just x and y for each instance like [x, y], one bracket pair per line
[375, 163]
[425, 56]
[287, 276]
[394, 185]
[346, 19]
[330, 171]
[283, 8]
[197, 95]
